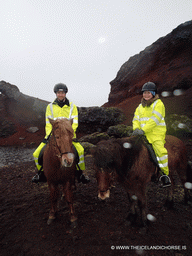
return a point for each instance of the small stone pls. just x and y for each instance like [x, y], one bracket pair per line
[32, 129]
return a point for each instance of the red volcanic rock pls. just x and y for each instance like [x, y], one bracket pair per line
[19, 112]
[181, 105]
[167, 62]
[22, 118]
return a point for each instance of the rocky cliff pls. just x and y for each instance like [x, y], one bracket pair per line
[167, 62]
[22, 118]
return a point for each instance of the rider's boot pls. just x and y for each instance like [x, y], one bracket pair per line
[39, 177]
[81, 178]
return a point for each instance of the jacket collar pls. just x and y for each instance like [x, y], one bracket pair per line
[61, 103]
[149, 102]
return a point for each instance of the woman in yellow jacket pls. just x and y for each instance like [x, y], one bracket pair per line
[149, 121]
[60, 108]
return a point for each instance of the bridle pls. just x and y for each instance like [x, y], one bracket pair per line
[61, 153]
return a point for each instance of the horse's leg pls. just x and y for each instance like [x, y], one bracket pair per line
[169, 203]
[142, 206]
[54, 193]
[68, 191]
[132, 215]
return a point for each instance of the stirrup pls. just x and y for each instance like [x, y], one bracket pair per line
[39, 177]
[83, 179]
[165, 180]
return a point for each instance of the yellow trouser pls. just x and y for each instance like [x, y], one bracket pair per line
[162, 156]
[78, 147]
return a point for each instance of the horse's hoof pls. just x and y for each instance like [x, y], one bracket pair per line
[62, 197]
[50, 220]
[131, 219]
[74, 224]
[169, 204]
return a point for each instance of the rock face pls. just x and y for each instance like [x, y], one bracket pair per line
[98, 119]
[20, 107]
[19, 111]
[167, 62]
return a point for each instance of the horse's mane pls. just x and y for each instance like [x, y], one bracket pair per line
[65, 125]
[104, 153]
[114, 153]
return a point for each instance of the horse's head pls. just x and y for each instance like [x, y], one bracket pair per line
[103, 165]
[105, 179]
[112, 160]
[62, 133]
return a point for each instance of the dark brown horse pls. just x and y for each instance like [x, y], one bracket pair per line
[128, 161]
[59, 166]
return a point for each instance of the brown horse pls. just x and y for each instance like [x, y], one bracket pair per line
[59, 166]
[127, 160]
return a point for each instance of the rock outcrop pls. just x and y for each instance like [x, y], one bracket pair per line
[22, 108]
[98, 119]
[22, 112]
[167, 62]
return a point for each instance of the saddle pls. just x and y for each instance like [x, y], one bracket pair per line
[151, 151]
[153, 158]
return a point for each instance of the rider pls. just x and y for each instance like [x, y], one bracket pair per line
[149, 121]
[60, 108]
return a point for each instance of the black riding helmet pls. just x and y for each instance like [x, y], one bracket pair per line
[60, 87]
[149, 86]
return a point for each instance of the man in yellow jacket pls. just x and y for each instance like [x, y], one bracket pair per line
[60, 108]
[149, 121]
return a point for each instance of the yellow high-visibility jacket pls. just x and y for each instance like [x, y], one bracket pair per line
[54, 111]
[150, 119]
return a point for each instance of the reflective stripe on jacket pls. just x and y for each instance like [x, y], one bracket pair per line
[54, 111]
[151, 120]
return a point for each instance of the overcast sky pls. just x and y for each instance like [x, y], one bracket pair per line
[82, 43]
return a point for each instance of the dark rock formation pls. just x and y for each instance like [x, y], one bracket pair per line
[167, 62]
[94, 138]
[98, 119]
[120, 130]
[19, 110]
[23, 109]
[179, 125]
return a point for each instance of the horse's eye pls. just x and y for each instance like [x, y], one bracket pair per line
[57, 137]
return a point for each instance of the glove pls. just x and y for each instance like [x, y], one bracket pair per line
[138, 132]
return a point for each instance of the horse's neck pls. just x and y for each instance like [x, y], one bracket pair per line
[52, 145]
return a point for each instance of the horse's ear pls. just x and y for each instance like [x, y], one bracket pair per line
[71, 121]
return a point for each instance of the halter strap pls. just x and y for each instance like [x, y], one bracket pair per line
[61, 153]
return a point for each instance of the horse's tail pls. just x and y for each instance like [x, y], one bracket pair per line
[189, 172]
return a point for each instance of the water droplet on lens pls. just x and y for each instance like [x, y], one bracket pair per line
[134, 197]
[150, 217]
[188, 185]
[181, 125]
[127, 145]
[177, 92]
[165, 94]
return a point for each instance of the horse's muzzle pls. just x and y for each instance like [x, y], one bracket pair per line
[67, 159]
[104, 194]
